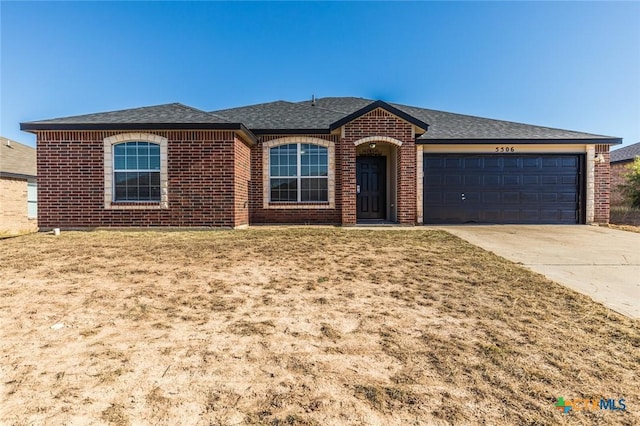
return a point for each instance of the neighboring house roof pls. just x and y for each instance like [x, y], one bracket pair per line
[625, 153]
[17, 160]
[320, 116]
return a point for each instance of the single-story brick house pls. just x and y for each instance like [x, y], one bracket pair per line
[18, 188]
[620, 159]
[340, 160]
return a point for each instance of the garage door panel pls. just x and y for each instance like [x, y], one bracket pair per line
[453, 163]
[501, 188]
[475, 180]
[511, 179]
[568, 197]
[453, 179]
[490, 197]
[510, 197]
[529, 215]
[473, 163]
[511, 162]
[472, 197]
[550, 162]
[491, 180]
[452, 197]
[492, 163]
[433, 180]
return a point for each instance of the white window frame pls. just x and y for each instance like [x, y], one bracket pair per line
[266, 170]
[109, 187]
[32, 199]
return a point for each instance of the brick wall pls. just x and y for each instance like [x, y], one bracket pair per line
[618, 170]
[602, 180]
[202, 189]
[241, 176]
[379, 123]
[258, 214]
[13, 207]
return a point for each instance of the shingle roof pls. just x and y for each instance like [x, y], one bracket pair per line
[318, 116]
[448, 126]
[16, 159]
[167, 116]
[281, 115]
[626, 153]
[168, 113]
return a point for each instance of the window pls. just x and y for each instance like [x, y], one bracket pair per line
[299, 173]
[136, 171]
[32, 200]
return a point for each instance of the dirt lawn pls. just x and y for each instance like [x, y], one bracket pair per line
[298, 326]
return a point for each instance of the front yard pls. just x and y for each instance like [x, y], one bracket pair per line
[298, 326]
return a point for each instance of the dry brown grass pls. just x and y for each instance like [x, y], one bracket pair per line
[629, 228]
[306, 326]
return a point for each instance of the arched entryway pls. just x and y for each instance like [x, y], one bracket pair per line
[377, 179]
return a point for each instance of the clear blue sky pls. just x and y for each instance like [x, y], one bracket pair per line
[572, 65]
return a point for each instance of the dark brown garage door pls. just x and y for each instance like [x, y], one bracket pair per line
[502, 189]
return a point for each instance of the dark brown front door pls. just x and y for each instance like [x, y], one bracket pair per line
[371, 187]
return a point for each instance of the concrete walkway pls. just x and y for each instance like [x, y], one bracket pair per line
[600, 262]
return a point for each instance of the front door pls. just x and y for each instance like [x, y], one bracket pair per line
[371, 187]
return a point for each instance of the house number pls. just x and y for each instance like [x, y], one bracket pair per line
[505, 149]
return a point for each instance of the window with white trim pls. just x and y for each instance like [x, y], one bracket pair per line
[136, 172]
[299, 172]
[32, 200]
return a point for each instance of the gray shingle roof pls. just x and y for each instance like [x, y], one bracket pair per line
[322, 115]
[281, 115]
[626, 153]
[167, 113]
[16, 159]
[447, 126]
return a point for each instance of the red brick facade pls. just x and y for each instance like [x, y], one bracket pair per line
[379, 123]
[217, 179]
[208, 180]
[618, 172]
[602, 185]
[260, 214]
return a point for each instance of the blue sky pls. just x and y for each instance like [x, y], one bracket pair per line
[572, 65]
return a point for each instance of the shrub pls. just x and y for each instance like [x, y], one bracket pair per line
[631, 189]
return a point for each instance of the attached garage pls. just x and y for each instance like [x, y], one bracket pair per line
[503, 188]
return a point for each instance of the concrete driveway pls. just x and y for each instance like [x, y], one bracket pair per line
[602, 263]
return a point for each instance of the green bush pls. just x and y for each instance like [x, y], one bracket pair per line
[631, 189]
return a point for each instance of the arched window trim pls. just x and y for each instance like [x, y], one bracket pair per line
[109, 189]
[266, 173]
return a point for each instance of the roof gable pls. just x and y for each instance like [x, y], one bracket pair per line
[385, 106]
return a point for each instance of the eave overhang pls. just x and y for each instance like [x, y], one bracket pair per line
[33, 127]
